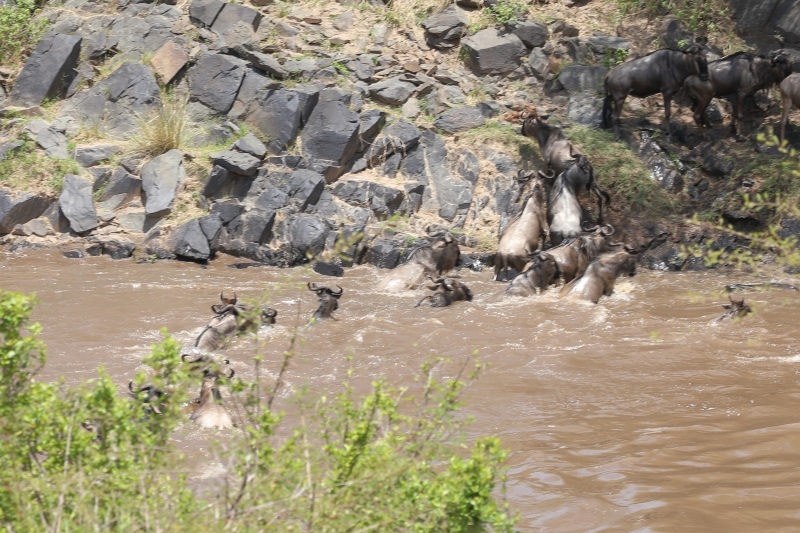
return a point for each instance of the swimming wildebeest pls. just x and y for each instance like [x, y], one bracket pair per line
[210, 414]
[662, 71]
[448, 290]
[525, 233]
[736, 309]
[437, 258]
[790, 95]
[741, 75]
[560, 154]
[574, 255]
[231, 317]
[328, 301]
[601, 275]
[151, 399]
[541, 272]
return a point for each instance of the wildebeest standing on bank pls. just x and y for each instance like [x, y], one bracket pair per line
[448, 290]
[600, 277]
[525, 233]
[662, 71]
[741, 74]
[790, 95]
[437, 258]
[540, 273]
[560, 154]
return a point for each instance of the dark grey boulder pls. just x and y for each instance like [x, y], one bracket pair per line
[267, 63]
[453, 195]
[445, 29]
[215, 79]
[254, 226]
[383, 253]
[232, 14]
[468, 167]
[116, 104]
[398, 138]
[227, 211]
[603, 44]
[582, 79]
[161, 178]
[250, 144]
[89, 156]
[331, 133]
[120, 189]
[215, 182]
[381, 200]
[272, 199]
[77, 204]
[8, 148]
[40, 227]
[113, 247]
[205, 11]
[237, 162]
[277, 114]
[141, 35]
[53, 143]
[188, 241]
[532, 34]
[586, 110]
[370, 123]
[307, 234]
[306, 186]
[539, 62]
[253, 87]
[394, 91]
[491, 52]
[460, 119]
[19, 208]
[48, 71]
[328, 269]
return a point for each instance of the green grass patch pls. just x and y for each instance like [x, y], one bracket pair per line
[29, 169]
[20, 30]
[505, 134]
[619, 169]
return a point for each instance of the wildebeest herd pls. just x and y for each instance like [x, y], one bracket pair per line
[550, 239]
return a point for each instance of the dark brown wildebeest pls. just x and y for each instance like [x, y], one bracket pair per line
[736, 309]
[541, 272]
[328, 301]
[790, 95]
[448, 290]
[601, 275]
[741, 75]
[574, 255]
[231, 317]
[662, 71]
[525, 233]
[210, 414]
[560, 154]
[437, 258]
[152, 398]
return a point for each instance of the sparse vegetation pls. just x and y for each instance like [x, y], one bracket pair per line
[29, 169]
[508, 11]
[164, 129]
[20, 30]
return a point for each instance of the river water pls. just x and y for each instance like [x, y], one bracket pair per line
[640, 413]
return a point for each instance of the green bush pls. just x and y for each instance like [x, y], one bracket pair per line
[508, 11]
[80, 459]
[19, 30]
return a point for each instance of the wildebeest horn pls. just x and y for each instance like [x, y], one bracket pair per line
[230, 376]
[448, 237]
[269, 312]
[130, 387]
[222, 309]
[607, 232]
[334, 293]
[548, 176]
[585, 227]
[312, 286]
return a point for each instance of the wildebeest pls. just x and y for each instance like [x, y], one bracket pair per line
[541, 272]
[741, 74]
[564, 211]
[437, 258]
[560, 154]
[662, 71]
[448, 290]
[210, 414]
[231, 317]
[790, 95]
[525, 233]
[328, 301]
[574, 255]
[151, 399]
[601, 275]
[736, 309]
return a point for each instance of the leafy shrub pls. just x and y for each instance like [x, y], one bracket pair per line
[19, 30]
[508, 11]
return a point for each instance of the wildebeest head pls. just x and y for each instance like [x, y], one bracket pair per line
[227, 305]
[445, 252]
[736, 309]
[328, 300]
[780, 67]
[152, 397]
[448, 290]
[697, 58]
[206, 362]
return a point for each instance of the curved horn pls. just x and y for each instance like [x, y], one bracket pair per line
[448, 237]
[341, 290]
[616, 244]
[607, 232]
[221, 310]
[230, 376]
[130, 387]
[312, 286]
[585, 227]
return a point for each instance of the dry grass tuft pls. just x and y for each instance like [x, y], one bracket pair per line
[164, 129]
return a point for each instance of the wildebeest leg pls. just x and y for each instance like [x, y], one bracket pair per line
[787, 106]
[667, 104]
[423, 299]
[618, 102]
[738, 113]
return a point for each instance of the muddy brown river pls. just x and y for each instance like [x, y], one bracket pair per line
[637, 414]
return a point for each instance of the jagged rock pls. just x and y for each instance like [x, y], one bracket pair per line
[268, 64]
[232, 14]
[161, 178]
[19, 208]
[306, 186]
[580, 79]
[381, 200]
[532, 34]
[141, 35]
[370, 123]
[237, 162]
[112, 247]
[254, 226]
[383, 253]
[277, 114]
[717, 165]
[393, 91]
[445, 29]
[215, 79]
[205, 11]
[307, 234]
[227, 210]
[168, 61]
[400, 137]
[9, 147]
[491, 52]
[344, 21]
[77, 203]
[539, 62]
[48, 71]
[586, 110]
[115, 105]
[469, 167]
[601, 44]
[250, 144]
[89, 156]
[460, 119]
[362, 68]
[331, 133]
[191, 242]
[120, 189]
[453, 194]
[215, 181]
[273, 199]
[53, 143]
[39, 227]
[34, 127]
